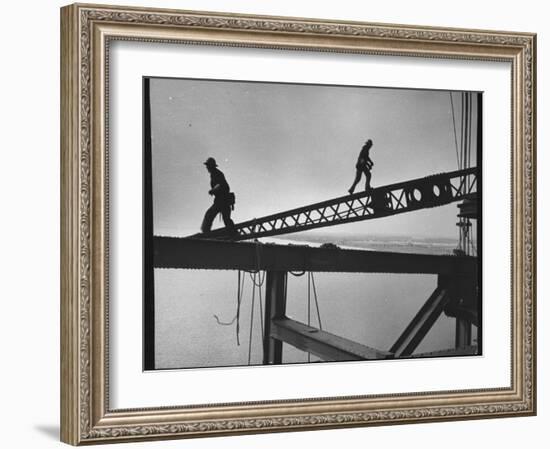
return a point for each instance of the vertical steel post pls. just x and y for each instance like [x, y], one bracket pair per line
[147, 230]
[463, 292]
[479, 221]
[463, 336]
[275, 307]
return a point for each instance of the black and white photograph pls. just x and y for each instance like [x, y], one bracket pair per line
[291, 223]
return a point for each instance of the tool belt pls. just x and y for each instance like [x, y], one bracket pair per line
[231, 200]
[227, 199]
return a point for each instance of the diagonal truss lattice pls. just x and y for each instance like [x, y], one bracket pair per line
[420, 193]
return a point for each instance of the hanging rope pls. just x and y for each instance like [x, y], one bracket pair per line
[261, 279]
[312, 288]
[251, 319]
[257, 258]
[255, 285]
[309, 308]
[261, 308]
[316, 302]
[240, 289]
[257, 280]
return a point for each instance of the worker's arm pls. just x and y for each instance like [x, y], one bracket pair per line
[214, 189]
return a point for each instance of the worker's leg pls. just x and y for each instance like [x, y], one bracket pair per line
[226, 215]
[209, 218]
[367, 179]
[356, 180]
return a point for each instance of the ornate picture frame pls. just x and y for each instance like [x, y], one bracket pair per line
[87, 31]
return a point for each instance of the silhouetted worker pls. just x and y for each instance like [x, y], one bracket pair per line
[364, 165]
[223, 198]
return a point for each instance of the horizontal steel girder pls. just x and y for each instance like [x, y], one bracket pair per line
[451, 352]
[408, 196]
[327, 346]
[173, 252]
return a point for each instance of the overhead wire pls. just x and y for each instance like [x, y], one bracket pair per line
[467, 165]
[454, 129]
[470, 133]
[461, 130]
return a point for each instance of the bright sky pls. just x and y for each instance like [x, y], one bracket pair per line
[287, 145]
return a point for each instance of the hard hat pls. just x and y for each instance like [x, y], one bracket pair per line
[210, 162]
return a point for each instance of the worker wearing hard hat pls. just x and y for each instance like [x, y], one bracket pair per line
[224, 199]
[364, 165]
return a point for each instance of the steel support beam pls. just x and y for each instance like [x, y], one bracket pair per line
[463, 334]
[327, 346]
[469, 208]
[421, 323]
[479, 224]
[172, 252]
[451, 352]
[148, 244]
[275, 308]
[469, 314]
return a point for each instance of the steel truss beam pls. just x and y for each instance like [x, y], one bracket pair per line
[421, 193]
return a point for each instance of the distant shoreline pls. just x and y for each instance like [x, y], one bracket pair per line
[423, 245]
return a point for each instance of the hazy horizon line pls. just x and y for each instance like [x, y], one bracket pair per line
[304, 235]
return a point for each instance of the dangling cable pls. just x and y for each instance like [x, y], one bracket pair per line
[261, 279]
[239, 298]
[309, 308]
[240, 289]
[225, 323]
[251, 320]
[316, 302]
[261, 307]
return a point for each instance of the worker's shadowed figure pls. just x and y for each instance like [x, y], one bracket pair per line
[223, 198]
[363, 166]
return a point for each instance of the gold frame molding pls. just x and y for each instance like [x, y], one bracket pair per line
[86, 31]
